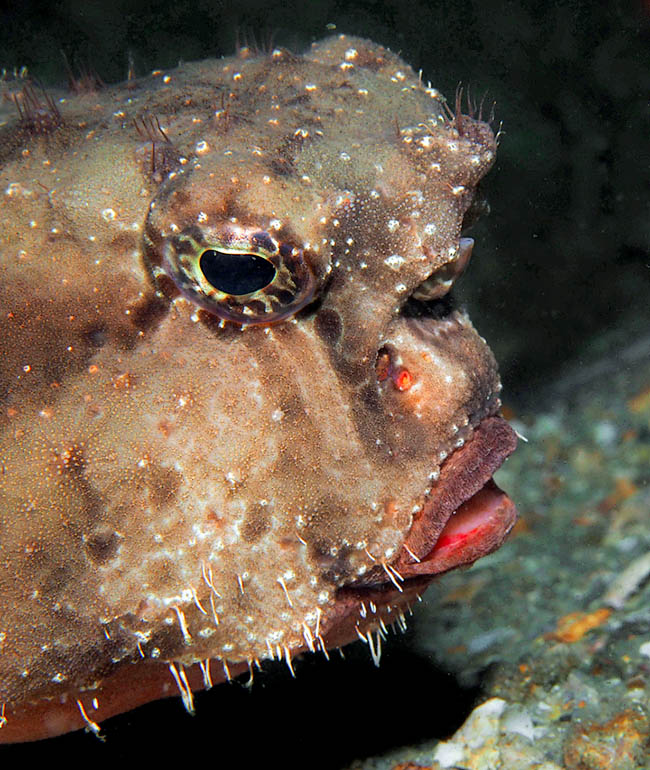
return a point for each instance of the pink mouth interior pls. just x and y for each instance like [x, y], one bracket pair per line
[467, 523]
[476, 528]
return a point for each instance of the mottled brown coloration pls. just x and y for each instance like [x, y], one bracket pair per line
[177, 487]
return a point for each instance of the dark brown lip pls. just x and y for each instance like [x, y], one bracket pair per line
[465, 484]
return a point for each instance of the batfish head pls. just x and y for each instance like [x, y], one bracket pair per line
[244, 416]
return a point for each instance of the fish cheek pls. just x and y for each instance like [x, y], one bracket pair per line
[102, 544]
[329, 326]
[256, 524]
[51, 590]
[161, 484]
[324, 522]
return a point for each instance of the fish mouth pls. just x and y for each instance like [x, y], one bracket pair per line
[466, 516]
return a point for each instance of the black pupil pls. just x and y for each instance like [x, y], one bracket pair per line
[236, 273]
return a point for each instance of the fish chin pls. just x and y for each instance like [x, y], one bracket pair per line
[465, 518]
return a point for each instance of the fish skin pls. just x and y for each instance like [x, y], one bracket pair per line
[177, 487]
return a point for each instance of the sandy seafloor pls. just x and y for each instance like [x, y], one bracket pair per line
[556, 624]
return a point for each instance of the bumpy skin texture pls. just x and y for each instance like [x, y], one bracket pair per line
[176, 487]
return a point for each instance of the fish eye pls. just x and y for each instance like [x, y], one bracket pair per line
[239, 274]
[236, 274]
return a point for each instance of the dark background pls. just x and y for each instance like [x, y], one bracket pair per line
[562, 261]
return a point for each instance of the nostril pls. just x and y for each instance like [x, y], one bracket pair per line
[389, 367]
